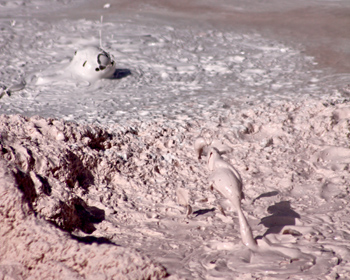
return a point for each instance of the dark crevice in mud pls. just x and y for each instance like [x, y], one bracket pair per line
[46, 188]
[70, 215]
[26, 185]
[79, 173]
[88, 217]
[76, 215]
[99, 142]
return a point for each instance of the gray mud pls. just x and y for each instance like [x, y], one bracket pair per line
[90, 173]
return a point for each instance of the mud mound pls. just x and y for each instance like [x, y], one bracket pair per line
[41, 177]
[71, 193]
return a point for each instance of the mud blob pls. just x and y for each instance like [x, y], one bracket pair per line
[199, 145]
[228, 185]
[215, 161]
[228, 182]
[88, 64]
[92, 64]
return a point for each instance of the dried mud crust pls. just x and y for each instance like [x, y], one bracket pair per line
[71, 193]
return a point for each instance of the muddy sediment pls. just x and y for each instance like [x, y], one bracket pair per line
[104, 190]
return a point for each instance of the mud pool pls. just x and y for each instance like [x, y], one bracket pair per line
[103, 162]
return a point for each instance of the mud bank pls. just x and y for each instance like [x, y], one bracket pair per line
[82, 201]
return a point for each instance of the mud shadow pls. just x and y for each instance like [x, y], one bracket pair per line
[73, 214]
[121, 73]
[203, 211]
[93, 239]
[78, 173]
[88, 216]
[282, 215]
[267, 194]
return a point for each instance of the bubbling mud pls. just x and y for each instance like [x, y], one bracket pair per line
[281, 122]
[88, 64]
